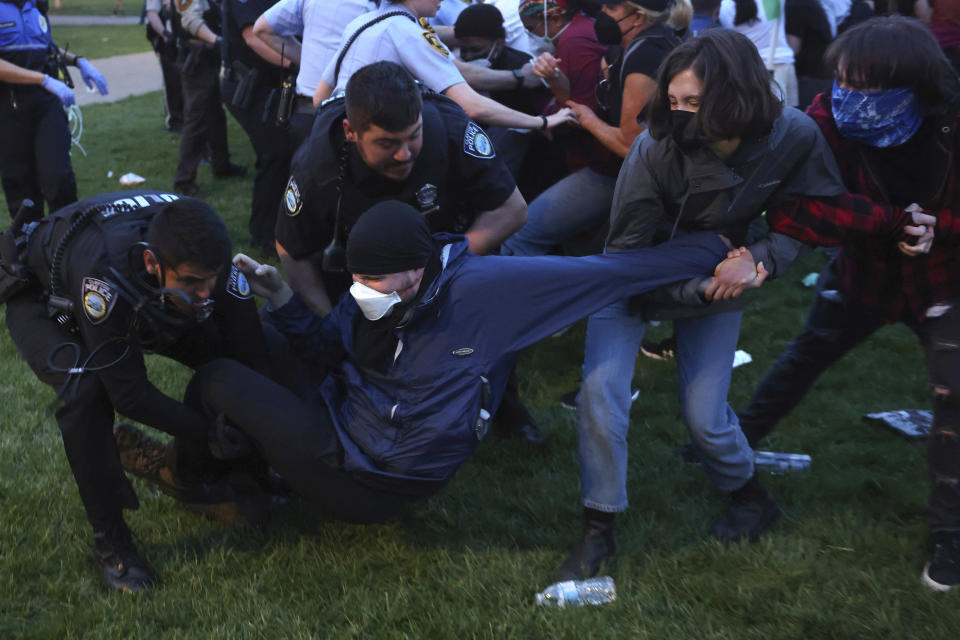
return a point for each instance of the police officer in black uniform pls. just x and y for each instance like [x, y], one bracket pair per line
[390, 140]
[251, 88]
[106, 280]
[197, 28]
[35, 139]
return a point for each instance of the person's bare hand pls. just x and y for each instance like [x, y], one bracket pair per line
[264, 279]
[922, 229]
[546, 66]
[734, 275]
[564, 116]
[585, 114]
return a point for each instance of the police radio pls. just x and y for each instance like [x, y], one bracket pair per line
[287, 94]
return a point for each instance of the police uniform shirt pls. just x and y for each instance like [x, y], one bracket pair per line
[321, 24]
[399, 39]
[196, 13]
[24, 35]
[457, 170]
[242, 14]
[104, 315]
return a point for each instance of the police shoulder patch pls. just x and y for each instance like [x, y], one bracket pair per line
[435, 43]
[98, 299]
[476, 143]
[183, 5]
[291, 197]
[237, 284]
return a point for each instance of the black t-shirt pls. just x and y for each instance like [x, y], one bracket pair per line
[807, 21]
[643, 55]
[523, 100]
[241, 14]
[456, 177]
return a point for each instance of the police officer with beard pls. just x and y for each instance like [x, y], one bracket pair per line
[89, 290]
[391, 140]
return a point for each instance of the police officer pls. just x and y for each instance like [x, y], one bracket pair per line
[388, 141]
[112, 277]
[165, 45]
[197, 27]
[35, 161]
[252, 74]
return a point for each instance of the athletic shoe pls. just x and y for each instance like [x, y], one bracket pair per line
[663, 350]
[942, 573]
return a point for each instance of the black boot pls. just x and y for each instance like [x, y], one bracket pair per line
[596, 547]
[121, 565]
[513, 418]
[752, 511]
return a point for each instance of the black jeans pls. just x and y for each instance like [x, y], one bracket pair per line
[204, 122]
[834, 327]
[295, 435]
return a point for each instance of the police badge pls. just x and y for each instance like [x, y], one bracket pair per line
[427, 199]
[98, 299]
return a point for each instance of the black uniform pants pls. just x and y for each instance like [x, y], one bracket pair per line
[834, 327]
[204, 122]
[273, 147]
[35, 149]
[294, 434]
[172, 91]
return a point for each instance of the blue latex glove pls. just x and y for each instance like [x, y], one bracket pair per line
[91, 76]
[60, 90]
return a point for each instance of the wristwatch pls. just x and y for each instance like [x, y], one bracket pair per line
[518, 74]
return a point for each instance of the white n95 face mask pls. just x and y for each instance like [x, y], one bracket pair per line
[373, 304]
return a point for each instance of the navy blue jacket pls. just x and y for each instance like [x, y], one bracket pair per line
[410, 428]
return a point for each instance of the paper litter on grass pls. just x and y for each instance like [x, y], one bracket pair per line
[912, 423]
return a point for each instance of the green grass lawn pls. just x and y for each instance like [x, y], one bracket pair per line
[94, 8]
[102, 41]
[844, 561]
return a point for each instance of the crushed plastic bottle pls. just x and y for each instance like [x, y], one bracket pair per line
[575, 593]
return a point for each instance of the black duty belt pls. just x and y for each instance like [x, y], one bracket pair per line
[304, 105]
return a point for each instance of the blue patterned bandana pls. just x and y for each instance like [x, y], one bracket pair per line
[878, 118]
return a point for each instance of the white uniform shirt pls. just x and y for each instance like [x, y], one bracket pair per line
[398, 39]
[761, 32]
[321, 23]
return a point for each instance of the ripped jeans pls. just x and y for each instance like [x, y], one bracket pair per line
[834, 327]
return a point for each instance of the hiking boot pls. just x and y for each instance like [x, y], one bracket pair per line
[942, 573]
[597, 547]
[513, 419]
[148, 458]
[752, 510]
[121, 565]
[663, 350]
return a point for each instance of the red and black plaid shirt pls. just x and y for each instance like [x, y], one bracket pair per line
[876, 274]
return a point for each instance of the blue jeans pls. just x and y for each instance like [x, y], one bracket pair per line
[579, 202]
[705, 348]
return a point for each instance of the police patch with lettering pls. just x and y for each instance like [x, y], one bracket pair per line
[98, 299]
[237, 284]
[476, 143]
[291, 197]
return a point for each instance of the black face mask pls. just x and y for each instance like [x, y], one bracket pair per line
[683, 130]
[607, 29]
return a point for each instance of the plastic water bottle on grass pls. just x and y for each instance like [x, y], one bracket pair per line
[575, 593]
